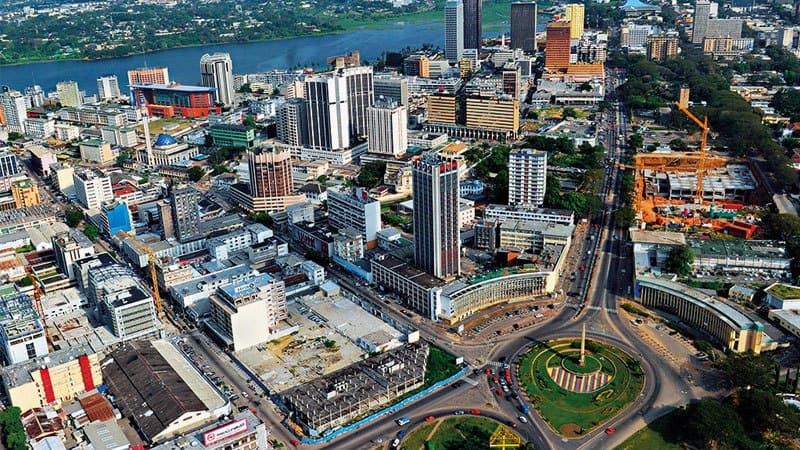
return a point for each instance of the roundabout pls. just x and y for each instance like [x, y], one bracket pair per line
[577, 390]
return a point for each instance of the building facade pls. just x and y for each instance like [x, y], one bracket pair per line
[92, 188]
[387, 129]
[14, 112]
[556, 57]
[453, 30]
[328, 112]
[355, 209]
[185, 212]
[574, 13]
[473, 23]
[437, 242]
[292, 122]
[69, 94]
[216, 71]
[108, 87]
[527, 176]
[149, 75]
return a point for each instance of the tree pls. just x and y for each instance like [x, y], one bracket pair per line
[763, 411]
[73, 216]
[323, 180]
[680, 260]
[262, 218]
[747, 369]
[710, 423]
[371, 174]
[245, 88]
[250, 121]
[569, 112]
[13, 136]
[196, 173]
[625, 217]
[219, 169]
[91, 231]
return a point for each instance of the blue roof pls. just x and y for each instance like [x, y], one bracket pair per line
[164, 140]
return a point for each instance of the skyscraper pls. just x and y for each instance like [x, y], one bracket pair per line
[453, 30]
[292, 122]
[575, 16]
[527, 174]
[107, 87]
[68, 94]
[328, 112]
[523, 26]
[702, 11]
[149, 75]
[360, 96]
[14, 115]
[556, 56]
[473, 10]
[387, 128]
[216, 70]
[270, 172]
[185, 212]
[437, 242]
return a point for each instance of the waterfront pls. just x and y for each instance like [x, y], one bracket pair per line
[183, 63]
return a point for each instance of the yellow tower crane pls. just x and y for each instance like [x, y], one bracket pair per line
[698, 196]
[152, 261]
[37, 303]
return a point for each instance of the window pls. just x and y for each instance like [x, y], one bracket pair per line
[31, 349]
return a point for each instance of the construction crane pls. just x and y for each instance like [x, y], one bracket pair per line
[151, 257]
[698, 196]
[37, 302]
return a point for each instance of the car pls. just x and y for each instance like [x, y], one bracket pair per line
[294, 442]
[401, 434]
[460, 412]
[514, 395]
[498, 392]
[395, 443]
[523, 419]
[610, 430]
[475, 412]
[512, 423]
[244, 394]
[402, 421]
[430, 419]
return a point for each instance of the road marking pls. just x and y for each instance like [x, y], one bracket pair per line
[611, 310]
[470, 381]
[593, 308]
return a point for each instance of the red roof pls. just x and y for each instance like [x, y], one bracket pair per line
[97, 407]
[123, 189]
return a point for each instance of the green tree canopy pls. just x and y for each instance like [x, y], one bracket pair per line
[73, 216]
[91, 231]
[371, 174]
[196, 173]
[679, 261]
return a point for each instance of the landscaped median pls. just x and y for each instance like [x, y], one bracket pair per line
[459, 432]
[574, 398]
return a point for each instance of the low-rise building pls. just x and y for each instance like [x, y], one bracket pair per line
[530, 235]
[22, 334]
[782, 296]
[417, 289]
[96, 151]
[231, 135]
[244, 431]
[508, 212]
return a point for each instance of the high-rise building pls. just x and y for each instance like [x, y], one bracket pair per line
[575, 16]
[9, 164]
[25, 193]
[34, 96]
[702, 11]
[270, 172]
[68, 94]
[392, 88]
[683, 96]
[354, 208]
[216, 70]
[527, 174]
[523, 26]
[493, 113]
[417, 66]
[556, 56]
[360, 96]
[453, 30]
[92, 188]
[185, 212]
[634, 36]
[108, 87]
[14, 114]
[437, 242]
[292, 123]
[662, 46]
[387, 128]
[442, 109]
[69, 247]
[149, 75]
[328, 112]
[512, 79]
[473, 12]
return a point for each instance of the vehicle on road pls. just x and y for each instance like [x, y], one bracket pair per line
[523, 419]
[475, 412]
[610, 430]
[395, 443]
[294, 442]
[460, 412]
[402, 421]
[498, 392]
[430, 419]
[401, 434]
[512, 423]
[525, 409]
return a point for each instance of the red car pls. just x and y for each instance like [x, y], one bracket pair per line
[495, 380]
[430, 419]
[487, 371]
[294, 442]
[513, 424]
[475, 412]
[610, 430]
[498, 392]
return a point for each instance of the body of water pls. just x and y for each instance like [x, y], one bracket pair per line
[184, 63]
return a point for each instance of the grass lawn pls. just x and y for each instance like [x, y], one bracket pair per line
[572, 413]
[441, 365]
[653, 436]
[468, 432]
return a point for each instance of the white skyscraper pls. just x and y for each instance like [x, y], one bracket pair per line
[387, 128]
[327, 113]
[527, 174]
[14, 112]
[360, 95]
[453, 30]
[68, 94]
[216, 70]
[108, 87]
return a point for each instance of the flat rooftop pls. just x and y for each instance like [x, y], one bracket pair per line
[410, 272]
[657, 237]
[195, 438]
[21, 373]
[174, 87]
[784, 291]
[738, 248]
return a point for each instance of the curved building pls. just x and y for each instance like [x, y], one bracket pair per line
[722, 322]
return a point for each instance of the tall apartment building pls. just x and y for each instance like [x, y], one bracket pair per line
[437, 242]
[702, 11]
[185, 212]
[391, 88]
[663, 46]
[92, 188]
[292, 123]
[14, 113]
[574, 14]
[442, 108]
[512, 79]
[417, 66]
[34, 96]
[387, 128]
[360, 96]
[216, 70]
[108, 87]
[68, 94]
[9, 164]
[527, 175]
[473, 23]
[69, 247]
[523, 26]
[493, 113]
[556, 56]
[328, 112]
[634, 36]
[453, 30]
[354, 208]
[22, 336]
[246, 313]
[149, 75]
[270, 172]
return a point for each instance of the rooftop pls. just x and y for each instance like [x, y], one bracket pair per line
[246, 287]
[195, 438]
[657, 237]
[784, 291]
[738, 248]
[21, 373]
[173, 87]
[105, 435]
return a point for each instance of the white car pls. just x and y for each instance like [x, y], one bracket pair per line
[523, 419]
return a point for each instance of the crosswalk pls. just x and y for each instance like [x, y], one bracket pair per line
[597, 308]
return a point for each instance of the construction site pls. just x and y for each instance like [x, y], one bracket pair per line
[695, 189]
